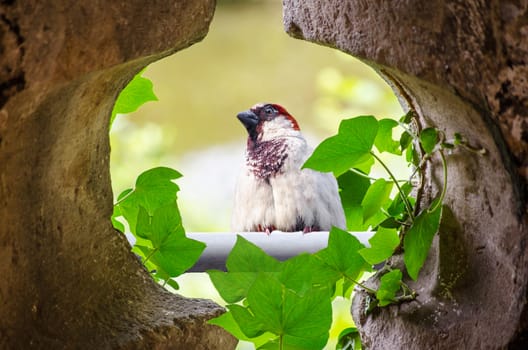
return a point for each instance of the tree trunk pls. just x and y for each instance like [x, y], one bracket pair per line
[462, 65]
[68, 280]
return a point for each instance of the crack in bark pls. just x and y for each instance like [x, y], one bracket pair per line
[17, 81]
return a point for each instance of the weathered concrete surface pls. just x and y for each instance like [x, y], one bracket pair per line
[68, 279]
[463, 66]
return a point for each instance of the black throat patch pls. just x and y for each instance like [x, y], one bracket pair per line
[265, 159]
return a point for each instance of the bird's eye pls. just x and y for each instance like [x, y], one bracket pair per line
[268, 110]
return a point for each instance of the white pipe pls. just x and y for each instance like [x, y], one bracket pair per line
[281, 245]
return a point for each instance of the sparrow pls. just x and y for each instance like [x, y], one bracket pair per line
[273, 192]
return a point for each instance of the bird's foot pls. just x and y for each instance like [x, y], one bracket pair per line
[266, 229]
[308, 229]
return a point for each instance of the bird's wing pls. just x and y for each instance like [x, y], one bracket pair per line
[309, 198]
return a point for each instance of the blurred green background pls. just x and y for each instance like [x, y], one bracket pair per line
[246, 58]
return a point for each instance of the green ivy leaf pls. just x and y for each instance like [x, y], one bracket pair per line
[118, 225]
[406, 119]
[142, 251]
[390, 222]
[377, 195]
[266, 300]
[429, 139]
[301, 321]
[335, 155]
[382, 245]
[365, 166]
[458, 139]
[274, 344]
[164, 222]
[412, 156]
[349, 339]
[390, 283]
[405, 140]
[247, 257]
[227, 321]
[249, 324]
[350, 147]
[232, 286]
[154, 188]
[307, 319]
[171, 249]
[178, 254]
[134, 95]
[124, 194]
[243, 264]
[418, 239]
[162, 275]
[305, 272]
[362, 130]
[172, 283]
[353, 188]
[342, 254]
[384, 141]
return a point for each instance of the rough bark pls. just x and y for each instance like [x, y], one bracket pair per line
[463, 66]
[68, 280]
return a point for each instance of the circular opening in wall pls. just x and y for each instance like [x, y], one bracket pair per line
[245, 58]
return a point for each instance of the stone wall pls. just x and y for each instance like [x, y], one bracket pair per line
[68, 279]
[462, 66]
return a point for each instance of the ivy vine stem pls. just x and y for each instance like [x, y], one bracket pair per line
[125, 197]
[370, 290]
[408, 206]
[355, 171]
[147, 258]
[444, 189]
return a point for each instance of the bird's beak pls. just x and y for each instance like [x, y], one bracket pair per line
[250, 121]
